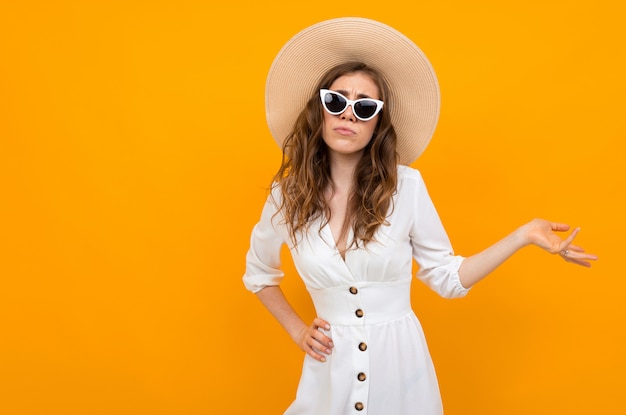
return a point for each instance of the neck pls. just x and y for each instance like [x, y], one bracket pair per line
[342, 169]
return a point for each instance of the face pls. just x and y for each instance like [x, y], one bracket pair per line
[344, 134]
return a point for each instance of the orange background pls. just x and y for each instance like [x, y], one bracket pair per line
[134, 158]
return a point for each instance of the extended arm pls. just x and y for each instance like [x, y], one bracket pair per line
[537, 232]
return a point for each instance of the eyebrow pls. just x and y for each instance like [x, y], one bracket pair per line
[345, 93]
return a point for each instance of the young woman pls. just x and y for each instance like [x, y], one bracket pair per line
[355, 216]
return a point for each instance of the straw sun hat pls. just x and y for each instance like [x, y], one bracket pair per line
[306, 57]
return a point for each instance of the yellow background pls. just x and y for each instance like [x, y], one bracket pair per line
[134, 159]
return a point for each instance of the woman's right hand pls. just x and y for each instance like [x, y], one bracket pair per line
[311, 338]
[313, 341]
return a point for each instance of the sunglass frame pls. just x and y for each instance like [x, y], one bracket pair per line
[350, 103]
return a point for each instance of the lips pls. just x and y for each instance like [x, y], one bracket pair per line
[345, 131]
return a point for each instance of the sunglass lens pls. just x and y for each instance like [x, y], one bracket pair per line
[335, 103]
[365, 109]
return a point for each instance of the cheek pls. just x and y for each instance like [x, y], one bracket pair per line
[325, 123]
[326, 117]
[373, 128]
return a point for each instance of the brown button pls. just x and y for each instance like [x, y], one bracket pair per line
[359, 313]
[361, 377]
[359, 406]
[362, 346]
[353, 290]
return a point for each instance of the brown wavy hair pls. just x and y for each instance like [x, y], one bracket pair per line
[304, 173]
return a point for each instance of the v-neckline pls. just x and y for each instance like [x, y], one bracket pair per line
[333, 242]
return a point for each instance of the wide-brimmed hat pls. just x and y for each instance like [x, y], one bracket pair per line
[306, 57]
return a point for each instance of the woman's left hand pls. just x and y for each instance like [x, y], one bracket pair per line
[542, 233]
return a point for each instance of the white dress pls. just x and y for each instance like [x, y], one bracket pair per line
[380, 364]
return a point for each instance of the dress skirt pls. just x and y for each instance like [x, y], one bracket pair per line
[380, 364]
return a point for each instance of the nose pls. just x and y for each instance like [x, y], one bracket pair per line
[348, 114]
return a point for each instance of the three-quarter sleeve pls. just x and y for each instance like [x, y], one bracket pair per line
[263, 257]
[438, 265]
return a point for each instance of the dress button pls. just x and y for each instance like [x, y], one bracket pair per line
[362, 346]
[353, 290]
[359, 406]
[361, 377]
[359, 313]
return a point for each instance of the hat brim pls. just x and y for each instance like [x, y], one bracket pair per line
[306, 57]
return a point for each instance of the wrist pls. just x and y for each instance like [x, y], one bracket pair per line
[523, 235]
[296, 332]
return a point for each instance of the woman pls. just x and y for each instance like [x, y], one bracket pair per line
[354, 216]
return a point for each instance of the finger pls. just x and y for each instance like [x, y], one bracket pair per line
[581, 262]
[320, 336]
[315, 355]
[323, 341]
[565, 243]
[572, 253]
[577, 257]
[583, 256]
[318, 322]
[316, 349]
[576, 248]
[559, 227]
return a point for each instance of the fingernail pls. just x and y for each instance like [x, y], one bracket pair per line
[327, 327]
[331, 344]
[323, 359]
[328, 351]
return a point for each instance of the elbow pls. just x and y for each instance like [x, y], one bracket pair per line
[465, 285]
[447, 285]
[455, 292]
[446, 280]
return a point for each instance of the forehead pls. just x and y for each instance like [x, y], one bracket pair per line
[357, 83]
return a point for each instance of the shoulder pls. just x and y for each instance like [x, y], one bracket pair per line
[275, 194]
[408, 176]
[411, 185]
[272, 206]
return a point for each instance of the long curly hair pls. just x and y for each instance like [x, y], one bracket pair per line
[304, 174]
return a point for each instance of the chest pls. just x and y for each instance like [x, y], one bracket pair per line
[320, 263]
[338, 222]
